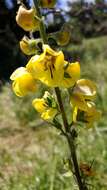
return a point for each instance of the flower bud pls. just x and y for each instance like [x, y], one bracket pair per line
[29, 46]
[46, 106]
[26, 19]
[63, 36]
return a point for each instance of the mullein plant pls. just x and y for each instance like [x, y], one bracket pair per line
[49, 66]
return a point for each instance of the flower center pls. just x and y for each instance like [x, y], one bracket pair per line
[49, 64]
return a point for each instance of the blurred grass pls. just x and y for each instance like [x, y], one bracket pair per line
[32, 152]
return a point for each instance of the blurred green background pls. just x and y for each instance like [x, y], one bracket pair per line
[32, 152]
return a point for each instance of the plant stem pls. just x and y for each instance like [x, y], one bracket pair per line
[71, 144]
[58, 94]
[69, 136]
[42, 26]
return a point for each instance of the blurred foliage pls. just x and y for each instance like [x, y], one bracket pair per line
[10, 34]
[90, 18]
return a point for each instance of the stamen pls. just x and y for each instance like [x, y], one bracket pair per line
[45, 105]
[51, 72]
[49, 64]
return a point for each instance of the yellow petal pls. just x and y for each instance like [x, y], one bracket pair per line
[16, 89]
[53, 76]
[49, 50]
[35, 66]
[27, 83]
[18, 73]
[89, 116]
[63, 37]
[47, 66]
[23, 82]
[86, 88]
[26, 19]
[79, 102]
[92, 114]
[39, 104]
[74, 112]
[49, 114]
[73, 71]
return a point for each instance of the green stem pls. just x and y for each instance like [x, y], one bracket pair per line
[81, 185]
[58, 94]
[69, 137]
[71, 144]
[42, 26]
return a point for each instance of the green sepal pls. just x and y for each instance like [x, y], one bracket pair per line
[66, 65]
[81, 116]
[66, 75]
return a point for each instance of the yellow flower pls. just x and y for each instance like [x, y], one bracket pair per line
[63, 38]
[49, 114]
[26, 19]
[23, 82]
[83, 91]
[47, 3]
[26, 47]
[29, 46]
[46, 106]
[64, 35]
[71, 74]
[40, 105]
[87, 117]
[47, 67]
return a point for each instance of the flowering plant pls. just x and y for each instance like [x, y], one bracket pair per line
[49, 66]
